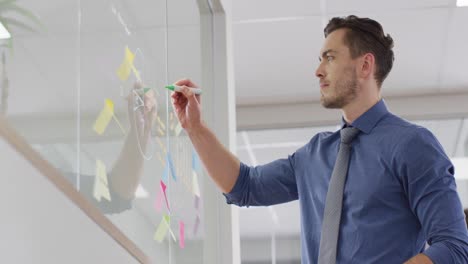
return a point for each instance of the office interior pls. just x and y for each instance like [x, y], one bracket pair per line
[71, 75]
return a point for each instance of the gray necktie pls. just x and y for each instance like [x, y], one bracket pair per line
[334, 200]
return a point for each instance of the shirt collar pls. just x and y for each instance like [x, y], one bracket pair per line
[367, 121]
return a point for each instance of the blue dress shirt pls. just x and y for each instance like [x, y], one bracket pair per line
[399, 194]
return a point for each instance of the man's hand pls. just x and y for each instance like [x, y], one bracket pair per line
[419, 259]
[187, 105]
[142, 110]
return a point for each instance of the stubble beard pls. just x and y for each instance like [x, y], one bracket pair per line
[345, 92]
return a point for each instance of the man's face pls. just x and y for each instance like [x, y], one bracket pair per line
[336, 72]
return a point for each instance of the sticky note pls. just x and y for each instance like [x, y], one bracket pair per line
[171, 166]
[197, 202]
[161, 124]
[160, 132]
[195, 186]
[195, 161]
[197, 223]
[161, 145]
[101, 188]
[163, 189]
[104, 117]
[172, 126]
[127, 65]
[158, 201]
[181, 234]
[165, 172]
[162, 229]
[160, 159]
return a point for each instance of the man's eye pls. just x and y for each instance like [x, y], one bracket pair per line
[330, 58]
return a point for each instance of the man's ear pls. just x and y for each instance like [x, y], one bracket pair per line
[367, 66]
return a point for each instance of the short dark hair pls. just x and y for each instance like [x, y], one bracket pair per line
[466, 215]
[365, 35]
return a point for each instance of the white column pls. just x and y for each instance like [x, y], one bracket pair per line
[222, 241]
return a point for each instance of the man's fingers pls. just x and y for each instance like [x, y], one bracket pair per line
[185, 82]
[186, 92]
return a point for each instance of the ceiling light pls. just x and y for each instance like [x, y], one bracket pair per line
[4, 34]
[462, 2]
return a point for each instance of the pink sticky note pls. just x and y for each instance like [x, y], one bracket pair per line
[163, 188]
[181, 234]
[158, 201]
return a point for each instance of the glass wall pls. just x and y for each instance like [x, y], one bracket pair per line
[83, 82]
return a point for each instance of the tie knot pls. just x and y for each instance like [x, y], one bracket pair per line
[348, 134]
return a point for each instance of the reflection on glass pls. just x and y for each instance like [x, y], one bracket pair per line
[85, 86]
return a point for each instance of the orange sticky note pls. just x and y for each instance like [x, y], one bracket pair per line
[181, 234]
[104, 117]
[127, 65]
[101, 188]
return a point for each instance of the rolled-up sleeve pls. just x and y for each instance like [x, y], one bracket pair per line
[429, 182]
[264, 185]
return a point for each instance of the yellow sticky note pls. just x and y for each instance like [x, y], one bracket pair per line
[195, 186]
[101, 188]
[160, 159]
[162, 229]
[160, 132]
[160, 123]
[104, 117]
[161, 145]
[127, 65]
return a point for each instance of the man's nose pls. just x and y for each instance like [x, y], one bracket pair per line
[319, 72]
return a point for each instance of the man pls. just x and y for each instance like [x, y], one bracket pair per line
[374, 192]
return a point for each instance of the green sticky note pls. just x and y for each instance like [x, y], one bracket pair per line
[162, 229]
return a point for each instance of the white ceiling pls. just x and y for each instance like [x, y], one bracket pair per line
[276, 46]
